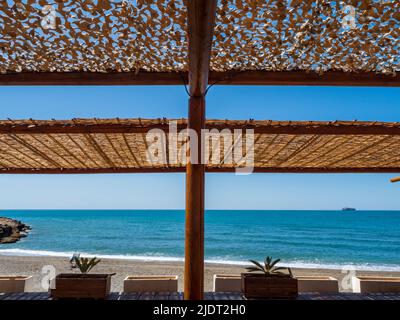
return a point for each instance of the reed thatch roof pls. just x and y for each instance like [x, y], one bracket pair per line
[120, 145]
[151, 35]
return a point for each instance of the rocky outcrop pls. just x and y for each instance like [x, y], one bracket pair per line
[12, 230]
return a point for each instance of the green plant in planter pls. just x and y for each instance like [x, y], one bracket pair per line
[85, 264]
[269, 268]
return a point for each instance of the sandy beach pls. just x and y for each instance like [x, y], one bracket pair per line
[28, 265]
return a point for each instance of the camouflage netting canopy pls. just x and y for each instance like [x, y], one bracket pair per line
[150, 35]
[97, 36]
[308, 35]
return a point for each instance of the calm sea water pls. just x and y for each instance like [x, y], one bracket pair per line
[364, 239]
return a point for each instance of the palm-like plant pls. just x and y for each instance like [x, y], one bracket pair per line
[269, 268]
[85, 264]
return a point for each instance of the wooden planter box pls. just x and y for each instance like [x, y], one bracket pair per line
[13, 284]
[376, 284]
[151, 284]
[259, 286]
[81, 286]
[320, 284]
[227, 283]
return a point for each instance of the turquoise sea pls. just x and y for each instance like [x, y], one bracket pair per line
[367, 240]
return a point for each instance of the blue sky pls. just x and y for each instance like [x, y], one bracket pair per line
[224, 191]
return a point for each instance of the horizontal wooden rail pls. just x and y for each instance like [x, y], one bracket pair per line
[70, 128]
[262, 127]
[319, 170]
[92, 78]
[303, 78]
[283, 78]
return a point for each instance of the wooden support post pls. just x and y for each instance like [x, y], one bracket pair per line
[195, 176]
[201, 21]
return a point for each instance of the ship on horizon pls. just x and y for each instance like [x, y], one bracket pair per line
[348, 209]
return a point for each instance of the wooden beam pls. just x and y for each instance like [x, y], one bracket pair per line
[303, 78]
[69, 127]
[397, 179]
[92, 170]
[278, 78]
[92, 78]
[297, 170]
[264, 127]
[329, 128]
[259, 127]
[201, 20]
[318, 170]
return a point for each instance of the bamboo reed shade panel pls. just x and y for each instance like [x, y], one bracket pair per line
[120, 145]
[96, 36]
[319, 35]
[150, 35]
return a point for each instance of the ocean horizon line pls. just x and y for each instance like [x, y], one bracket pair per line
[221, 261]
[295, 210]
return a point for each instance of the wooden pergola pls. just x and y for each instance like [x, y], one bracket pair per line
[198, 43]
[92, 146]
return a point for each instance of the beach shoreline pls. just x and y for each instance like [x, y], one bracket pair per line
[33, 266]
